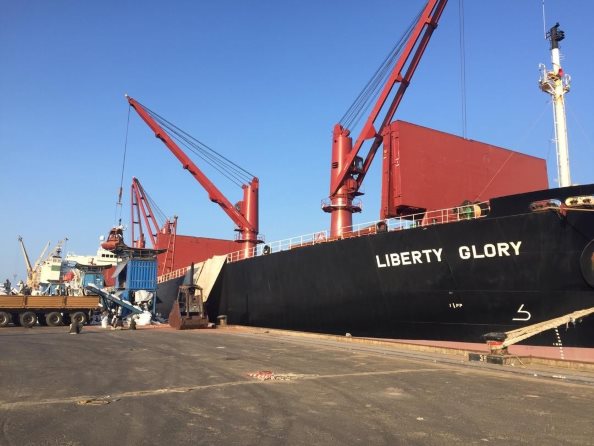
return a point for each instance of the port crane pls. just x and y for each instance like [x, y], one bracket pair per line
[32, 270]
[348, 169]
[27, 261]
[244, 214]
[45, 270]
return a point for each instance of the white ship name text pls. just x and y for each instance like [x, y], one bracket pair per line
[501, 249]
[409, 257]
[488, 250]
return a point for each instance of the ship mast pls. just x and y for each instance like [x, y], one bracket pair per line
[556, 83]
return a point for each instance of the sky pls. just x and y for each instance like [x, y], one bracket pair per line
[262, 82]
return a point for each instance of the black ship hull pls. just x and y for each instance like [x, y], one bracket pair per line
[454, 282]
[167, 293]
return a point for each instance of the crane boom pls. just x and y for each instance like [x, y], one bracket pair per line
[244, 215]
[348, 169]
[41, 256]
[141, 210]
[26, 256]
[140, 204]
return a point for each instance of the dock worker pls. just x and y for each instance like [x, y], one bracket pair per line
[7, 286]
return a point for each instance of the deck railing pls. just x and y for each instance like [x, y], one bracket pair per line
[441, 216]
[466, 212]
[173, 274]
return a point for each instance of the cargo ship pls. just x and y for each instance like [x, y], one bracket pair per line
[515, 261]
[470, 239]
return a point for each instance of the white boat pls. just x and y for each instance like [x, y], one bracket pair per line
[101, 258]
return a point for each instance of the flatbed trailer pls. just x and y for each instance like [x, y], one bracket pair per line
[47, 310]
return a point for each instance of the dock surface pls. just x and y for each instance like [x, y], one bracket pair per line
[158, 386]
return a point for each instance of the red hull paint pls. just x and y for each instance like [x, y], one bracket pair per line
[558, 353]
[190, 249]
[108, 276]
[427, 169]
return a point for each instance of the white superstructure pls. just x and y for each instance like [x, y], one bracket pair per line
[103, 257]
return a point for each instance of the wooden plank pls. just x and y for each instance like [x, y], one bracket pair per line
[45, 302]
[12, 301]
[82, 302]
[48, 302]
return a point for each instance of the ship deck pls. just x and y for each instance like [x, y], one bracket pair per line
[254, 386]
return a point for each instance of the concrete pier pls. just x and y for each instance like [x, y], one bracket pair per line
[155, 386]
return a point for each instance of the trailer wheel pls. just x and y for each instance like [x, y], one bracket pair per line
[5, 319]
[27, 319]
[78, 317]
[54, 319]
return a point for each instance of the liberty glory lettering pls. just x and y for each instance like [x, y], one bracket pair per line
[502, 249]
[409, 257]
[488, 250]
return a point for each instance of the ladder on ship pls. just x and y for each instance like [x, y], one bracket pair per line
[499, 342]
[170, 253]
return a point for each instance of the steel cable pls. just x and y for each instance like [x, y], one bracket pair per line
[205, 150]
[159, 214]
[462, 66]
[228, 172]
[223, 165]
[371, 91]
[119, 202]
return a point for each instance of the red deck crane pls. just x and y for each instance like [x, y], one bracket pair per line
[347, 168]
[140, 207]
[141, 211]
[244, 214]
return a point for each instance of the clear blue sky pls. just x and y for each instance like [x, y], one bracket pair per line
[262, 82]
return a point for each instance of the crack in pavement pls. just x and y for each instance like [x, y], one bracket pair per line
[8, 405]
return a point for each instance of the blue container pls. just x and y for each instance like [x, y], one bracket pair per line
[136, 274]
[141, 274]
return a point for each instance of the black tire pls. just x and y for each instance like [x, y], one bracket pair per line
[28, 319]
[54, 319]
[5, 319]
[78, 317]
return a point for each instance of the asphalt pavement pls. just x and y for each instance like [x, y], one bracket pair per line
[231, 387]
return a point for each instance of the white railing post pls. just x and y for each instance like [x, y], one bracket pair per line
[393, 224]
